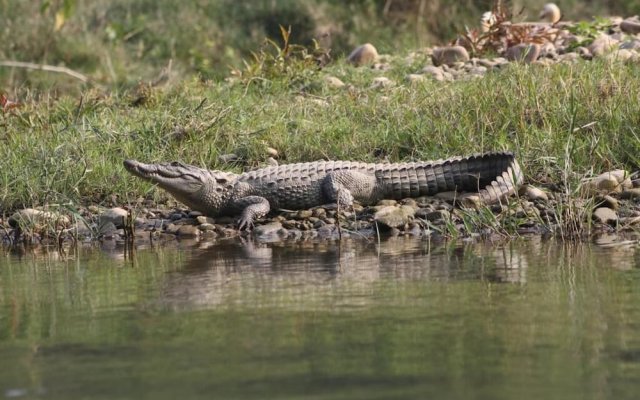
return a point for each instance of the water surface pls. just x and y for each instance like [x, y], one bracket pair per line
[404, 318]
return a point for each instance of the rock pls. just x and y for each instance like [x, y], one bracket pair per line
[188, 231]
[30, 218]
[415, 78]
[117, 216]
[621, 55]
[304, 214]
[381, 82]
[334, 82]
[270, 230]
[393, 216]
[633, 44]
[551, 13]
[365, 54]
[272, 162]
[630, 194]
[605, 215]
[228, 158]
[609, 182]
[607, 201]
[630, 25]
[602, 45]
[523, 52]
[205, 220]
[207, 227]
[438, 216]
[107, 228]
[271, 152]
[533, 193]
[435, 72]
[449, 55]
[450, 196]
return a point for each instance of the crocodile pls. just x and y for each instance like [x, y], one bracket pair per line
[251, 195]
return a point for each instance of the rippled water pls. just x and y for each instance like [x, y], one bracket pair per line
[403, 318]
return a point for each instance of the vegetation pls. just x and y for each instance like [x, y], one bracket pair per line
[65, 145]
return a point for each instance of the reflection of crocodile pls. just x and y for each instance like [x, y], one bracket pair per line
[299, 186]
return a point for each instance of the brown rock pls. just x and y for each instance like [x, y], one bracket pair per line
[605, 215]
[602, 45]
[630, 25]
[449, 55]
[523, 52]
[365, 54]
[394, 217]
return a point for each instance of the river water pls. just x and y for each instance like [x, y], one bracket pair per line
[400, 318]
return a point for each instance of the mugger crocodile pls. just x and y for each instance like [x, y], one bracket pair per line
[251, 195]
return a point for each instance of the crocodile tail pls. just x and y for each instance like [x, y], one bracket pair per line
[492, 175]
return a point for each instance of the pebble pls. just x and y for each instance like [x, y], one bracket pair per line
[381, 82]
[630, 25]
[523, 52]
[393, 216]
[449, 55]
[605, 215]
[602, 45]
[334, 82]
[361, 55]
[117, 216]
[533, 193]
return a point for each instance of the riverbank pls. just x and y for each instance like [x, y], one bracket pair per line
[569, 115]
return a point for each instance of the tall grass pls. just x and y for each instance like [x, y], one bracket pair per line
[71, 148]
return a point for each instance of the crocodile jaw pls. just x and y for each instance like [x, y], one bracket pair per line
[172, 177]
[197, 188]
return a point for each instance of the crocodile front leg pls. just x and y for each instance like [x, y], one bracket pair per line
[252, 207]
[342, 187]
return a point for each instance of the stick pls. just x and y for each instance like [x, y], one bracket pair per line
[44, 67]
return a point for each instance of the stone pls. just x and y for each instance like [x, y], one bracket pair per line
[602, 45]
[630, 194]
[30, 218]
[207, 227]
[533, 193]
[381, 82]
[415, 78]
[362, 55]
[449, 55]
[205, 220]
[608, 201]
[550, 13]
[393, 216]
[523, 52]
[334, 82]
[188, 231]
[609, 182]
[228, 158]
[438, 216]
[435, 72]
[633, 44]
[605, 215]
[115, 215]
[269, 230]
[630, 25]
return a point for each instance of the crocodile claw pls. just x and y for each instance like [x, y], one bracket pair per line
[245, 223]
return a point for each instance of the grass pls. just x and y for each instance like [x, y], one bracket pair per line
[70, 149]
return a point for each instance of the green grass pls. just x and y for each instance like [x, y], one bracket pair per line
[70, 149]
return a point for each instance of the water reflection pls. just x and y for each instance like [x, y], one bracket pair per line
[400, 318]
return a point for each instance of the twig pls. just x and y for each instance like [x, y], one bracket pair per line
[44, 67]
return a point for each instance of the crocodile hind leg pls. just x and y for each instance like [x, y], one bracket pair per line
[343, 187]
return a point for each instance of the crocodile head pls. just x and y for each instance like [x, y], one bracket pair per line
[200, 189]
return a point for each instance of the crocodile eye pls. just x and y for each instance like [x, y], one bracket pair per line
[221, 181]
[219, 189]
